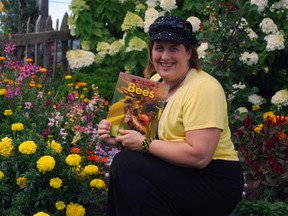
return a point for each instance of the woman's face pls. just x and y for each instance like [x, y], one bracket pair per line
[170, 60]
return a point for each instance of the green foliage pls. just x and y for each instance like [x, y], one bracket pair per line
[261, 208]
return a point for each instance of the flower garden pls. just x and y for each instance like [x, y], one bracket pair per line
[51, 160]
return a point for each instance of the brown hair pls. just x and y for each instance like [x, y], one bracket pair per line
[193, 61]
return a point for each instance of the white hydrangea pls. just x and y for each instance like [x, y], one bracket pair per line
[103, 48]
[79, 58]
[243, 23]
[251, 34]
[280, 4]
[249, 58]
[239, 86]
[136, 44]
[267, 26]
[152, 3]
[132, 21]
[195, 22]
[168, 5]
[261, 4]
[115, 47]
[151, 14]
[201, 50]
[242, 110]
[256, 99]
[274, 42]
[280, 98]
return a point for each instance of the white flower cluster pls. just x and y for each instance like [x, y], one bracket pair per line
[280, 4]
[251, 34]
[268, 26]
[152, 3]
[275, 39]
[274, 42]
[261, 4]
[132, 21]
[242, 110]
[239, 86]
[168, 5]
[280, 98]
[201, 50]
[79, 58]
[249, 58]
[256, 99]
[136, 44]
[151, 14]
[103, 48]
[195, 22]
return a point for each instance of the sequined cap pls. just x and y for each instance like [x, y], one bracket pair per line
[172, 28]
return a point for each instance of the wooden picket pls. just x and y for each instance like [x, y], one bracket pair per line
[49, 46]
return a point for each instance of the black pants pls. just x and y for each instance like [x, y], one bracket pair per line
[143, 185]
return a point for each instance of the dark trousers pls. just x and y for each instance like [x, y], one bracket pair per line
[143, 185]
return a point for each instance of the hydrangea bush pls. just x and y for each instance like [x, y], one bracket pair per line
[51, 161]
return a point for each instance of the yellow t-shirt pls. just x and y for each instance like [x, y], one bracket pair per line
[199, 103]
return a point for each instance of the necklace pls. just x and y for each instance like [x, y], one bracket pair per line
[180, 80]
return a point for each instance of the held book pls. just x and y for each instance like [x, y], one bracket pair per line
[137, 104]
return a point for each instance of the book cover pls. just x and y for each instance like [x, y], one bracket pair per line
[137, 104]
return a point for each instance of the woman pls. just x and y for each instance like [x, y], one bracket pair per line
[192, 167]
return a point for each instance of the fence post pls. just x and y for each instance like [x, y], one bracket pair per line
[47, 46]
[37, 46]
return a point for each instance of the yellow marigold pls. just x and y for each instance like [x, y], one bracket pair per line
[98, 183]
[68, 77]
[81, 175]
[46, 163]
[86, 100]
[75, 210]
[39, 86]
[82, 96]
[55, 183]
[6, 147]
[2, 58]
[3, 91]
[8, 112]
[17, 127]
[55, 146]
[79, 84]
[258, 129]
[43, 70]
[60, 205]
[268, 115]
[28, 147]
[91, 169]
[73, 159]
[28, 60]
[32, 84]
[255, 107]
[70, 84]
[49, 92]
[41, 214]
[21, 181]
[1, 175]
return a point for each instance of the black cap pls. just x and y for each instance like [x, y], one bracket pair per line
[172, 28]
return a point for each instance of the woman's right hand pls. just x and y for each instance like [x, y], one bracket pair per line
[104, 128]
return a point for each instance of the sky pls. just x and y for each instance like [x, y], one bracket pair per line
[57, 9]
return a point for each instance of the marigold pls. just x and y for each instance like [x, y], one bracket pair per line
[91, 169]
[68, 77]
[28, 147]
[2, 175]
[73, 159]
[17, 127]
[21, 181]
[55, 146]
[2, 58]
[268, 115]
[6, 147]
[75, 209]
[43, 70]
[3, 91]
[46, 163]
[259, 128]
[75, 150]
[60, 205]
[41, 214]
[55, 183]
[8, 112]
[98, 183]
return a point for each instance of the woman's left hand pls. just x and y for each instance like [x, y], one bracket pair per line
[130, 139]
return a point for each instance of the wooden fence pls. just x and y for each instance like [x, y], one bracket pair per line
[49, 47]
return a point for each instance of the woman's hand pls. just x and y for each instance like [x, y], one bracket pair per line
[130, 139]
[104, 128]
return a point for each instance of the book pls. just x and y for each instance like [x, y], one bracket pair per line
[137, 104]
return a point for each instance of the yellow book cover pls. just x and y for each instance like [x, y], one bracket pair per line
[137, 104]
